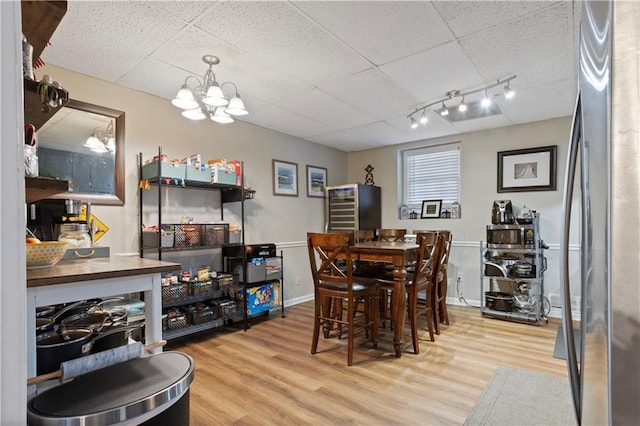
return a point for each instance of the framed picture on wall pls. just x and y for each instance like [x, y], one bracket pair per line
[532, 169]
[430, 209]
[316, 181]
[285, 178]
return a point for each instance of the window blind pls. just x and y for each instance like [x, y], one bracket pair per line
[432, 173]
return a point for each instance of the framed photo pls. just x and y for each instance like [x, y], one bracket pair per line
[285, 178]
[431, 209]
[532, 169]
[316, 181]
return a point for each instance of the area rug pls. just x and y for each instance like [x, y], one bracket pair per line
[520, 397]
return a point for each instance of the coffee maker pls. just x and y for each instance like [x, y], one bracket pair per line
[46, 218]
[502, 212]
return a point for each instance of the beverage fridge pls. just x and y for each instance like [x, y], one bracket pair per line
[352, 207]
[604, 167]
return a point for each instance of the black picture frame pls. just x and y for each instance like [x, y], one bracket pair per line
[431, 209]
[285, 178]
[530, 169]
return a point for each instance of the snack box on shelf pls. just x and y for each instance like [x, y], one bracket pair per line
[262, 298]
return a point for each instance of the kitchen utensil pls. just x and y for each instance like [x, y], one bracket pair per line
[524, 216]
[79, 366]
[45, 254]
[502, 212]
[499, 301]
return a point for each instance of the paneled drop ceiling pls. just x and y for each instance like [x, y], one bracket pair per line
[343, 74]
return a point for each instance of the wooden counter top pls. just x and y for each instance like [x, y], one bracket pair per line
[68, 271]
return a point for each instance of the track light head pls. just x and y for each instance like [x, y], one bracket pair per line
[444, 111]
[423, 118]
[508, 91]
[414, 123]
[462, 107]
[486, 100]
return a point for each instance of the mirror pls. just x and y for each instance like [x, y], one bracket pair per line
[95, 168]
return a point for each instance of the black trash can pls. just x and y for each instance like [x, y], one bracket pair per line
[153, 390]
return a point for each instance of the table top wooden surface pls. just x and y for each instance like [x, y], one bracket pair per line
[74, 270]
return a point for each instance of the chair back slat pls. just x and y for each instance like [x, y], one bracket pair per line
[327, 253]
[364, 235]
[428, 255]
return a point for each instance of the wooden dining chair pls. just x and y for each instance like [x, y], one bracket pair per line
[333, 282]
[421, 279]
[437, 273]
[442, 278]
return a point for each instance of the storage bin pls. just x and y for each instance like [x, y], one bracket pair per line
[199, 314]
[256, 272]
[235, 236]
[173, 320]
[175, 291]
[199, 288]
[215, 234]
[226, 308]
[198, 174]
[186, 235]
[167, 170]
[222, 175]
[150, 238]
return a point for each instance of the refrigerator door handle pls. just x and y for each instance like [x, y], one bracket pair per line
[567, 320]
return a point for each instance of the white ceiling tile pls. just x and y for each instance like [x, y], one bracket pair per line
[251, 75]
[377, 36]
[282, 36]
[467, 17]
[325, 108]
[155, 77]
[187, 10]
[430, 74]
[341, 139]
[120, 37]
[541, 103]
[276, 118]
[521, 47]
[373, 92]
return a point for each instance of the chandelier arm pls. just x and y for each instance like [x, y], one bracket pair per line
[231, 83]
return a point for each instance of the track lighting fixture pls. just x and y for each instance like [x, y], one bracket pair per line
[207, 100]
[462, 106]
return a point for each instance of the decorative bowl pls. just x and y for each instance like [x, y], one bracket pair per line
[45, 254]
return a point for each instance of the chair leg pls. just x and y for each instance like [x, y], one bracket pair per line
[350, 332]
[316, 324]
[429, 314]
[375, 311]
[442, 298]
[435, 312]
[413, 319]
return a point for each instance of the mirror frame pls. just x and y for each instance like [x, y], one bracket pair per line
[100, 199]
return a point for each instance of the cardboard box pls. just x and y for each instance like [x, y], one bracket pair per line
[263, 298]
[167, 170]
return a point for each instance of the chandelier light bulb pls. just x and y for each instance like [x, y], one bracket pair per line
[194, 114]
[221, 117]
[423, 118]
[184, 99]
[414, 123]
[236, 106]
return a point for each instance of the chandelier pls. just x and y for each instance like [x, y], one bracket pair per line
[420, 115]
[102, 140]
[206, 98]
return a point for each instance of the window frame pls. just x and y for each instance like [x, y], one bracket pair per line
[405, 154]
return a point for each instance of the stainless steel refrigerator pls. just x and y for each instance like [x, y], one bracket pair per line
[605, 143]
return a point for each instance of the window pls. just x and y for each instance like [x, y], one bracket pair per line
[431, 173]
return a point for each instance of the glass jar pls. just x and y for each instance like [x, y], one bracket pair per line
[75, 234]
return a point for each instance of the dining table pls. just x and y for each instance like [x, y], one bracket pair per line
[398, 253]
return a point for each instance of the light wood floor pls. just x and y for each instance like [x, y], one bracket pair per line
[267, 376]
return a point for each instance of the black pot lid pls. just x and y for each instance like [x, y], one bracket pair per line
[115, 394]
